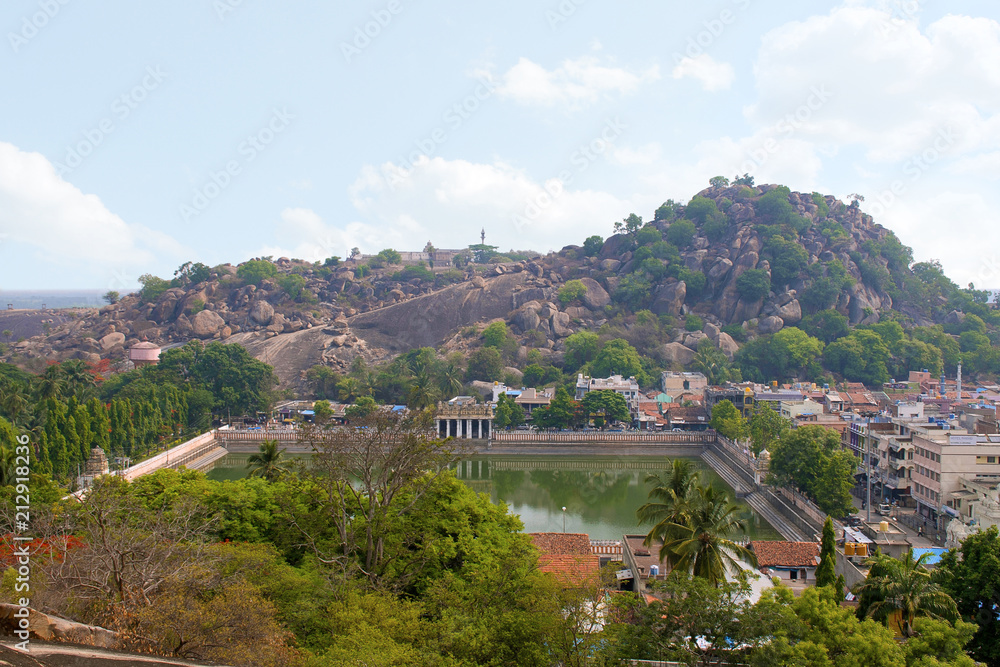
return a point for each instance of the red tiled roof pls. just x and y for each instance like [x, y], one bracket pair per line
[785, 554]
[562, 544]
[570, 570]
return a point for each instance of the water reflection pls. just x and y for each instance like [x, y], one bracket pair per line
[600, 493]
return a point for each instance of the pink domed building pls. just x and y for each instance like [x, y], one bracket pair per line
[144, 353]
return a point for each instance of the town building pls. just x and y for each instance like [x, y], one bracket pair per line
[463, 418]
[628, 388]
[144, 353]
[740, 396]
[531, 399]
[795, 409]
[789, 561]
[675, 383]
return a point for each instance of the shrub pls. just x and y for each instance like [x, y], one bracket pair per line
[152, 287]
[647, 235]
[663, 250]
[449, 277]
[716, 227]
[410, 272]
[681, 232]
[753, 284]
[820, 201]
[667, 210]
[495, 334]
[390, 256]
[592, 245]
[700, 209]
[695, 282]
[736, 332]
[255, 271]
[571, 291]
[292, 284]
[195, 307]
[693, 323]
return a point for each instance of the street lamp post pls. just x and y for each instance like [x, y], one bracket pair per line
[564, 519]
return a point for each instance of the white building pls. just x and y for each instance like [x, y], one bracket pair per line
[628, 388]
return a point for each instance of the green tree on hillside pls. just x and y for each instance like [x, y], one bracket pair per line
[616, 357]
[255, 271]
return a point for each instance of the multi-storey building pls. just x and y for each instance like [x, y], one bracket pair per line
[675, 383]
[627, 387]
[741, 397]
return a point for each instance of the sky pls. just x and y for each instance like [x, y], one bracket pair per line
[135, 137]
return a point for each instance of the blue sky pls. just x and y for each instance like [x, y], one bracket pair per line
[137, 136]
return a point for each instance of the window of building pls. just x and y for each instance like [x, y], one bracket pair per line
[991, 459]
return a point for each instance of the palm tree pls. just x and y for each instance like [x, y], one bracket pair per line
[52, 383]
[704, 546]
[7, 466]
[904, 587]
[267, 462]
[13, 401]
[670, 502]
[422, 393]
[711, 362]
[77, 376]
[450, 379]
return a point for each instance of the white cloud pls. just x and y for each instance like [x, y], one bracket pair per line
[449, 201]
[66, 228]
[574, 84]
[893, 86]
[317, 240]
[714, 76]
[921, 220]
[641, 155]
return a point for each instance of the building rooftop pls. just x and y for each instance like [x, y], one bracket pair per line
[562, 544]
[786, 554]
[571, 570]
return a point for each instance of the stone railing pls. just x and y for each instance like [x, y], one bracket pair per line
[176, 456]
[602, 437]
[256, 436]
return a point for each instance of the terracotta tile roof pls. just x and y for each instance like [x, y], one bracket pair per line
[562, 544]
[570, 570]
[786, 554]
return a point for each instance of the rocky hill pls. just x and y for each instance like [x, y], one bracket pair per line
[758, 257]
